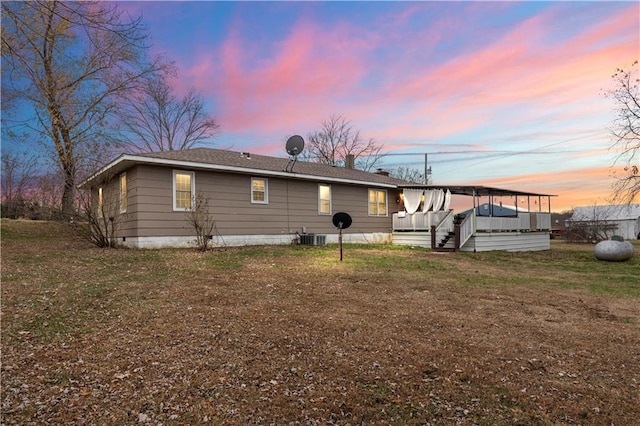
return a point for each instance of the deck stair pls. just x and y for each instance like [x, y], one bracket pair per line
[447, 242]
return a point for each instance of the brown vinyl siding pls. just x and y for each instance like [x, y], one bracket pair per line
[125, 223]
[293, 204]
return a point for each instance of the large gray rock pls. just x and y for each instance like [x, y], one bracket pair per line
[614, 251]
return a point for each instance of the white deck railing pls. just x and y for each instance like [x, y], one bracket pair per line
[544, 221]
[501, 224]
[417, 221]
[423, 221]
[467, 228]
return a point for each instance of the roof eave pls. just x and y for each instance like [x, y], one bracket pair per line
[86, 183]
[136, 159]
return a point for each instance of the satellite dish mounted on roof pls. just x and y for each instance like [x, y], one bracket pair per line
[341, 221]
[294, 146]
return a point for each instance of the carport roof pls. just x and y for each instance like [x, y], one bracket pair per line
[476, 190]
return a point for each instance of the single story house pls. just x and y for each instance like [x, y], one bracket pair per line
[606, 221]
[253, 199]
[257, 199]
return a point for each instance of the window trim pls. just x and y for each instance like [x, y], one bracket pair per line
[193, 191]
[266, 190]
[123, 196]
[320, 212]
[386, 202]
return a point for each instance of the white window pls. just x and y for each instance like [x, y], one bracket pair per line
[377, 202]
[183, 190]
[259, 191]
[100, 202]
[324, 199]
[123, 193]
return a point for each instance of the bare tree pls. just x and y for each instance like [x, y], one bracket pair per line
[47, 193]
[337, 140]
[625, 130]
[18, 175]
[408, 174]
[67, 61]
[201, 220]
[590, 224]
[155, 119]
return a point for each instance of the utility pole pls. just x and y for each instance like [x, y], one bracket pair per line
[427, 170]
[426, 179]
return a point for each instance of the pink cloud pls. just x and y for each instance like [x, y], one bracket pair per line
[269, 91]
[309, 71]
[471, 89]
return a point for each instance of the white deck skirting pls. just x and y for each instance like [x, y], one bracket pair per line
[508, 241]
[485, 241]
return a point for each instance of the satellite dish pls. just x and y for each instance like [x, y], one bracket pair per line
[341, 220]
[295, 145]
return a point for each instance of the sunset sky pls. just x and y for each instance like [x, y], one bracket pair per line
[505, 94]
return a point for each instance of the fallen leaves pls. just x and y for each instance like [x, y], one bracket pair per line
[176, 337]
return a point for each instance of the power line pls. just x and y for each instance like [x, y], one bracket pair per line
[480, 151]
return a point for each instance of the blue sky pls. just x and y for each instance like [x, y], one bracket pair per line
[506, 94]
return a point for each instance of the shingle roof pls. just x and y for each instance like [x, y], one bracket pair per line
[242, 162]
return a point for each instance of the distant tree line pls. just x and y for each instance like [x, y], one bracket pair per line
[26, 193]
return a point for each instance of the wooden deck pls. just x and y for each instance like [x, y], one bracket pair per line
[443, 231]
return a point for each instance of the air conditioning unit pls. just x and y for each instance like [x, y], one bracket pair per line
[313, 240]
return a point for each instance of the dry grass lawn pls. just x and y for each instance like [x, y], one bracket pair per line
[291, 335]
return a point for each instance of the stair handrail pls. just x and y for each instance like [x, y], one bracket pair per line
[444, 221]
[467, 227]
